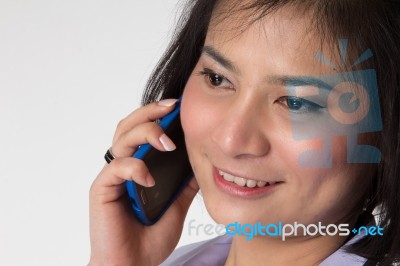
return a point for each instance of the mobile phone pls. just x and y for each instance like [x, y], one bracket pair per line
[171, 171]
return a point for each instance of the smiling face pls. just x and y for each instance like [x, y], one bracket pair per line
[238, 118]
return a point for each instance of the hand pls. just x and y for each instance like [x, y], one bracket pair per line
[116, 236]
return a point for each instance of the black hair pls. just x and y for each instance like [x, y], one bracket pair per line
[173, 70]
[373, 24]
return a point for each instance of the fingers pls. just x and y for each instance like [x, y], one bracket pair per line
[145, 114]
[108, 186]
[136, 129]
[149, 132]
[126, 169]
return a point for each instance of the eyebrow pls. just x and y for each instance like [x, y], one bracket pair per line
[219, 58]
[298, 81]
[283, 80]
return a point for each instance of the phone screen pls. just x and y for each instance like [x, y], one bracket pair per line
[171, 171]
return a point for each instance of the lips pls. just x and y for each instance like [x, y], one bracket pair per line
[246, 188]
[244, 182]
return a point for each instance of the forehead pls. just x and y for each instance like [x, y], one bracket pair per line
[284, 36]
[286, 22]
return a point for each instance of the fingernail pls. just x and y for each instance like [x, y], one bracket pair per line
[150, 181]
[167, 143]
[167, 102]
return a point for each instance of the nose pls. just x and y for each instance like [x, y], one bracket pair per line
[241, 132]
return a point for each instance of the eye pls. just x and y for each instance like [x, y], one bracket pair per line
[216, 80]
[299, 105]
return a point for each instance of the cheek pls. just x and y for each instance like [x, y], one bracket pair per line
[311, 164]
[317, 154]
[194, 114]
[198, 113]
[198, 119]
[191, 111]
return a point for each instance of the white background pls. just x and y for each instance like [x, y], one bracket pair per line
[69, 71]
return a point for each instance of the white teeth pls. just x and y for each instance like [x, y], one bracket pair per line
[251, 183]
[240, 181]
[227, 176]
[261, 183]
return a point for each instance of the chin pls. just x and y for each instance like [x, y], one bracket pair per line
[227, 212]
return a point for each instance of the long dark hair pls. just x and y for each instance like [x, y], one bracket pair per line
[373, 24]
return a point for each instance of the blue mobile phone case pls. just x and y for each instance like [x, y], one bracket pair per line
[134, 189]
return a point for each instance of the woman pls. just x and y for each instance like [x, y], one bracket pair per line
[277, 131]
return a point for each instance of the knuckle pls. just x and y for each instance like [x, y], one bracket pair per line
[136, 166]
[154, 127]
[121, 124]
[94, 187]
[128, 165]
[117, 163]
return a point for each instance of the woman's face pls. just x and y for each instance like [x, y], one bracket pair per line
[241, 123]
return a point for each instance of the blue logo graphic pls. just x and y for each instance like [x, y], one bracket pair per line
[368, 231]
[340, 104]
